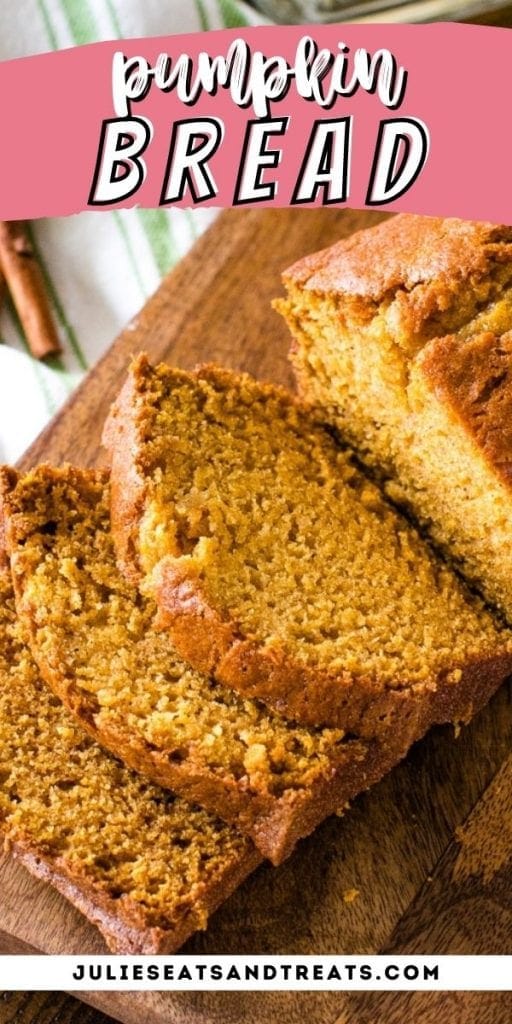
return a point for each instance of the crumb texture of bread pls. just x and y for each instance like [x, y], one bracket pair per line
[279, 567]
[400, 341]
[142, 864]
[96, 643]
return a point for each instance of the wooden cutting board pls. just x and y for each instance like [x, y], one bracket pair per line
[417, 891]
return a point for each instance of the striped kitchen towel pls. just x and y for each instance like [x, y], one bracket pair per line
[99, 267]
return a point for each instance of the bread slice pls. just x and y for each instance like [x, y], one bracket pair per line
[401, 341]
[94, 639]
[280, 569]
[144, 866]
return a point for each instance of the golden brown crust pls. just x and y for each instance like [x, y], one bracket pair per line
[422, 260]
[120, 438]
[396, 718]
[8, 480]
[474, 378]
[402, 252]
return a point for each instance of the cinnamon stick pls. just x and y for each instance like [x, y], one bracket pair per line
[25, 281]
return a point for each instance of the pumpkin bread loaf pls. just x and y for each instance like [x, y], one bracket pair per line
[280, 569]
[402, 342]
[94, 639]
[144, 866]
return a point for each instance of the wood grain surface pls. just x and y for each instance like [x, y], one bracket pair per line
[216, 307]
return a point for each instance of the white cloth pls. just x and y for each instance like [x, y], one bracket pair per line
[100, 266]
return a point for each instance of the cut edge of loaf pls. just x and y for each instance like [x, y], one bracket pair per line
[361, 311]
[473, 376]
[461, 393]
[420, 389]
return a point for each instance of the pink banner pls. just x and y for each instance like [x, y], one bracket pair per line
[398, 117]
